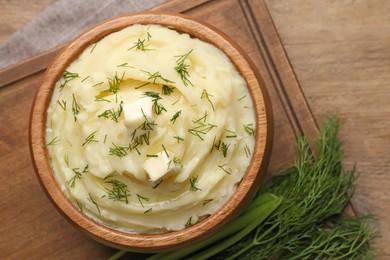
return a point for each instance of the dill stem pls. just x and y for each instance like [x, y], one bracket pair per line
[117, 255]
[267, 203]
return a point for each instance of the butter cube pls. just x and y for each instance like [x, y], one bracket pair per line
[161, 165]
[135, 112]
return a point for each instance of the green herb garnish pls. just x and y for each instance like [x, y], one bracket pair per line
[94, 202]
[175, 116]
[193, 181]
[75, 107]
[90, 138]
[62, 104]
[120, 151]
[77, 175]
[166, 90]
[118, 192]
[112, 114]
[54, 141]
[249, 129]
[142, 198]
[156, 107]
[206, 95]
[182, 68]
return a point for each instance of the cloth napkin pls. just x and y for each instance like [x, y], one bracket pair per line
[61, 22]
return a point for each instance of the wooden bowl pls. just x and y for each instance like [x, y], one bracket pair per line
[172, 240]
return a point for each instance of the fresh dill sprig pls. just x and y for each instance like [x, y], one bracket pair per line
[112, 114]
[182, 68]
[175, 116]
[90, 138]
[120, 151]
[224, 148]
[166, 90]
[62, 104]
[77, 176]
[226, 170]
[94, 202]
[142, 85]
[156, 107]
[249, 129]
[206, 95]
[118, 192]
[193, 180]
[142, 198]
[56, 140]
[75, 107]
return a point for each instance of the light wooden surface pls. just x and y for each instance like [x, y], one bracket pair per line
[340, 53]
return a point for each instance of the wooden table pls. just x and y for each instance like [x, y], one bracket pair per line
[340, 52]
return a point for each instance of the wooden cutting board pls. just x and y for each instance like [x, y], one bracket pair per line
[31, 228]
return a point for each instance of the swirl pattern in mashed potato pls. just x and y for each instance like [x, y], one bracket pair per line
[150, 130]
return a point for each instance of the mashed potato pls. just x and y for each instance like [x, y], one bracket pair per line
[150, 130]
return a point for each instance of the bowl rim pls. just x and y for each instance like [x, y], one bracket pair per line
[175, 239]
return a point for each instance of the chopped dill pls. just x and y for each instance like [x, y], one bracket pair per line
[97, 84]
[156, 107]
[148, 210]
[247, 151]
[193, 180]
[166, 90]
[85, 78]
[165, 150]
[93, 47]
[206, 95]
[142, 85]
[222, 167]
[189, 222]
[120, 151]
[241, 98]
[249, 129]
[90, 138]
[207, 201]
[94, 202]
[77, 176]
[182, 68]
[68, 76]
[178, 138]
[62, 104]
[140, 45]
[156, 75]
[75, 107]
[111, 174]
[175, 116]
[118, 192]
[54, 141]
[79, 205]
[151, 155]
[142, 198]
[155, 186]
[112, 113]
[124, 65]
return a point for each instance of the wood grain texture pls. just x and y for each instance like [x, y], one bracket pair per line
[340, 51]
